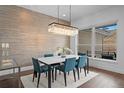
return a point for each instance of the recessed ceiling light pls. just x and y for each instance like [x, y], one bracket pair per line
[64, 15]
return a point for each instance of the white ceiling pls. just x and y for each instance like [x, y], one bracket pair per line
[77, 11]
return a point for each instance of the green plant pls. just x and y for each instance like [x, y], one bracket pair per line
[64, 50]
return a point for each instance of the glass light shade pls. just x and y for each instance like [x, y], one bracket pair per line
[62, 29]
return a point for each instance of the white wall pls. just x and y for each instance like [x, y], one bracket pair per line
[106, 64]
[114, 14]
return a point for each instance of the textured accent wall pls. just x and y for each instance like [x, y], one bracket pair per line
[27, 34]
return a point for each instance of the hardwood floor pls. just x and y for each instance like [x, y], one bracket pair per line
[12, 81]
[105, 79]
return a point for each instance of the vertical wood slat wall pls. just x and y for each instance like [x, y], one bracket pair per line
[27, 34]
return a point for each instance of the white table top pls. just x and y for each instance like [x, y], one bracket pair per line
[55, 59]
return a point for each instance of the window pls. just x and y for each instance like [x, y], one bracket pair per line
[111, 27]
[104, 46]
[106, 42]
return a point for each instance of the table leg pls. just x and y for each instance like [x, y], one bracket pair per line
[87, 65]
[19, 77]
[49, 76]
[14, 70]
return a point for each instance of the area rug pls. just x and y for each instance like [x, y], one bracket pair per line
[59, 83]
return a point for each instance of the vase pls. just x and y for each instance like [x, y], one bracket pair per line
[63, 55]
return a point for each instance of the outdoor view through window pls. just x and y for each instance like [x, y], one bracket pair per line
[105, 41]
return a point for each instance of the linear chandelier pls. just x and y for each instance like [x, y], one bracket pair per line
[62, 29]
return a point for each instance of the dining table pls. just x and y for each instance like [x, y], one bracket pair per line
[49, 61]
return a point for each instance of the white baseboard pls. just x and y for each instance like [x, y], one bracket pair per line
[26, 68]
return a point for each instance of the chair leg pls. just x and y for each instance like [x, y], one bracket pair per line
[68, 73]
[65, 78]
[78, 73]
[38, 80]
[46, 74]
[74, 75]
[80, 70]
[55, 74]
[52, 75]
[33, 77]
[59, 72]
[85, 71]
[35, 74]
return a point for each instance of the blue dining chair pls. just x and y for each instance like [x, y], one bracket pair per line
[84, 54]
[81, 63]
[69, 65]
[38, 69]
